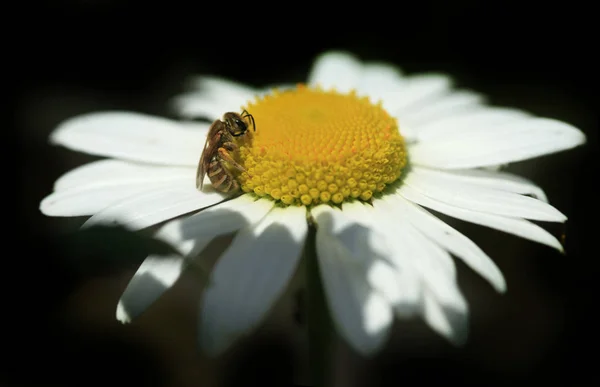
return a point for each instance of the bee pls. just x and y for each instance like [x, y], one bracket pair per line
[218, 151]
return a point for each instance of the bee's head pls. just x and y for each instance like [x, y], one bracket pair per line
[235, 124]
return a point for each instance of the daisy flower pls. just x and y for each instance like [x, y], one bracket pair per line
[360, 153]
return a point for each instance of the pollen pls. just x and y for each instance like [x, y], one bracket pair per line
[314, 146]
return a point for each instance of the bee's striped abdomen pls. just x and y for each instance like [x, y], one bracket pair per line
[221, 178]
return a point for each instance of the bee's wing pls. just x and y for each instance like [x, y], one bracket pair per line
[212, 142]
[200, 172]
[203, 163]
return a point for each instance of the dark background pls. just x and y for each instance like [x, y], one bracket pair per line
[74, 57]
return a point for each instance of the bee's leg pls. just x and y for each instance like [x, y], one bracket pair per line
[225, 156]
[230, 146]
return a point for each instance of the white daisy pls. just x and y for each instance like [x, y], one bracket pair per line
[325, 155]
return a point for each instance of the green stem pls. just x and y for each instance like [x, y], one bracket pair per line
[320, 330]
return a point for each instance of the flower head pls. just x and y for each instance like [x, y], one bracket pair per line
[318, 146]
[361, 152]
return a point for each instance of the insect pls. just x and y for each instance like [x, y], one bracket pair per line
[218, 151]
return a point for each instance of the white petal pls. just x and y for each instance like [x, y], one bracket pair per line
[417, 90]
[435, 265]
[191, 234]
[436, 270]
[152, 279]
[408, 133]
[491, 179]
[483, 146]
[451, 323]
[132, 136]
[90, 200]
[515, 226]
[379, 80]
[493, 168]
[110, 172]
[250, 277]
[337, 70]
[478, 198]
[222, 89]
[367, 249]
[443, 108]
[450, 239]
[361, 314]
[213, 97]
[464, 120]
[198, 105]
[156, 206]
[407, 280]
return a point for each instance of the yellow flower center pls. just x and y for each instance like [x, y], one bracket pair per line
[313, 146]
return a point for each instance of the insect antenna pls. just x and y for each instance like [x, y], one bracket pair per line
[251, 118]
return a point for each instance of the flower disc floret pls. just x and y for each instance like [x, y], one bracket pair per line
[314, 146]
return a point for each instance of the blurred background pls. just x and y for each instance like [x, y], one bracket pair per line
[62, 285]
